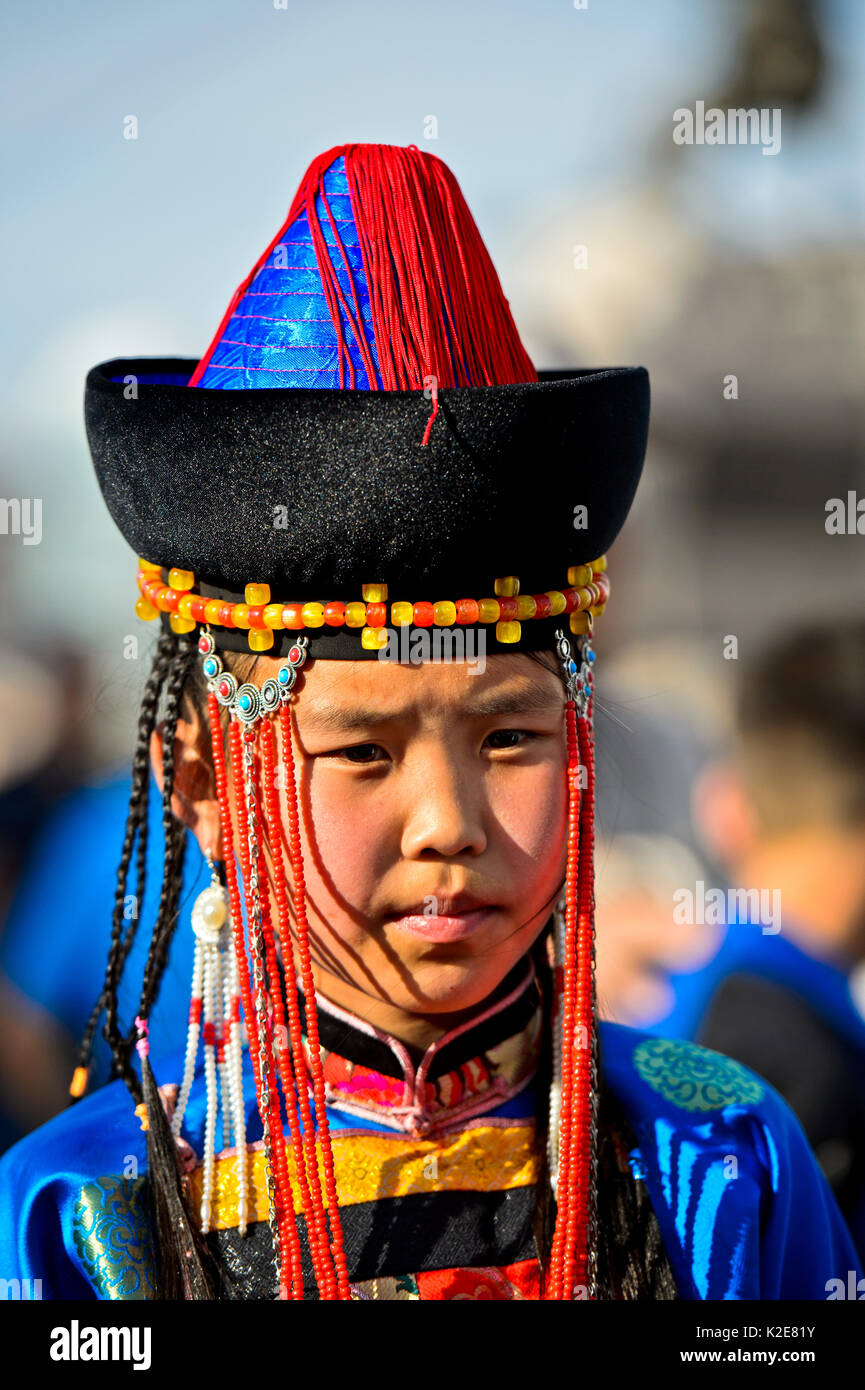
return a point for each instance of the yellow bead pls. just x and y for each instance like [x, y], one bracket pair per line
[146, 610]
[260, 639]
[273, 615]
[181, 579]
[508, 631]
[557, 599]
[600, 564]
[444, 613]
[179, 624]
[527, 607]
[149, 566]
[374, 593]
[211, 612]
[257, 595]
[586, 598]
[508, 587]
[579, 575]
[240, 615]
[312, 614]
[355, 614]
[373, 638]
[580, 622]
[488, 610]
[79, 1082]
[401, 614]
[597, 610]
[184, 606]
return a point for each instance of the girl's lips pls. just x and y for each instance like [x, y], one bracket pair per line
[458, 927]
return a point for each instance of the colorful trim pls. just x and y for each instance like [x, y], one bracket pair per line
[369, 1166]
[585, 598]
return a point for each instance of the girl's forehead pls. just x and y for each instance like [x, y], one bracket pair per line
[389, 689]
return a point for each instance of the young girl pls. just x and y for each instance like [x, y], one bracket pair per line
[371, 703]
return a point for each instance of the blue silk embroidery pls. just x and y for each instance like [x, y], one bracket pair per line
[281, 333]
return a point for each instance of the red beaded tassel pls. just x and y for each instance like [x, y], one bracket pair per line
[280, 1195]
[295, 1079]
[572, 1254]
[564, 1193]
[308, 987]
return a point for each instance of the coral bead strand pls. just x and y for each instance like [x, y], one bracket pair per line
[568, 1006]
[308, 986]
[281, 1204]
[306, 1154]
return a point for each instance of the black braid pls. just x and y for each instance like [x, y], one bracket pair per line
[136, 823]
[174, 833]
[179, 655]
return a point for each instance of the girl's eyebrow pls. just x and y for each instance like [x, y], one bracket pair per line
[330, 718]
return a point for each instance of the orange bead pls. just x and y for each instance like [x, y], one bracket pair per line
[488, 610]
[211, 612]
[146, 610]
[508, 587]
[184, 607]
[240, 615]
[526, 607]
[273, 615]
[374, 593]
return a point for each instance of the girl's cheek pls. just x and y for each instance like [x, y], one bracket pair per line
[531, 811]
[351, 843]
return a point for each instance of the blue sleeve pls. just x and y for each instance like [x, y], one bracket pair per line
[806, 1247]
[73, 1221]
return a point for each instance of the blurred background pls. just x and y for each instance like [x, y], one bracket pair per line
[734, 275]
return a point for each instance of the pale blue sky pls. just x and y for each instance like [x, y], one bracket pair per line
[116, 247]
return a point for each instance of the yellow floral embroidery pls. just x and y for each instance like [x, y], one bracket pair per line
[476, 1158]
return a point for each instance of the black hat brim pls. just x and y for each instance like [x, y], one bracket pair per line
[317, 491]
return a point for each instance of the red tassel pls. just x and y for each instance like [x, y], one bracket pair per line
[304, 1145]
[570, 1252]
[286, 1226]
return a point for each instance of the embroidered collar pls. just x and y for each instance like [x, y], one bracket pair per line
[470, 1070]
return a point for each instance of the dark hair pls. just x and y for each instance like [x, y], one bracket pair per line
[802, 701]
[632, 1261]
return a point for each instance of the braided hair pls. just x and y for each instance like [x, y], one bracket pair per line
[185, 1267]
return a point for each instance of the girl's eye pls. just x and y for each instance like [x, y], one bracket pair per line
[363, 753]
[508, 738]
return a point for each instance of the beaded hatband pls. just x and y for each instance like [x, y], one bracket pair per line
[584, 598]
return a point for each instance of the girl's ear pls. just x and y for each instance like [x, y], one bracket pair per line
[193, 798]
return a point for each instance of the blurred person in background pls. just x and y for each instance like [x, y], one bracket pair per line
[54, 943]
[786, 814]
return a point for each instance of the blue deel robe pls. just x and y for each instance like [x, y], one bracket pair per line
[743, 1209]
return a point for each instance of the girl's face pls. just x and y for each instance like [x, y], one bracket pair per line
[433, 806]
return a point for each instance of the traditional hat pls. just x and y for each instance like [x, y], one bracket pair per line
[364, 450]
[366, 417]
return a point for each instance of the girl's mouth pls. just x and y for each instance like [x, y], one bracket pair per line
[455, 926]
